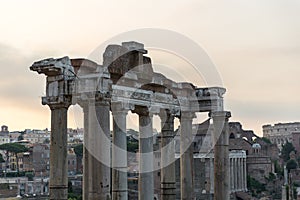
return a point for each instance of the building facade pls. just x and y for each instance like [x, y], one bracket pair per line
[281, 132]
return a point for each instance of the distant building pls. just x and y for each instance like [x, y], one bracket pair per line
[4, 138]
[41, 159]
[4, 130]
[36, 137]
[296, 140]
[72, 162]
[281, 132]
[13, 136]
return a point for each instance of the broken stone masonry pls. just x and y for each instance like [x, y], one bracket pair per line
[126, 82]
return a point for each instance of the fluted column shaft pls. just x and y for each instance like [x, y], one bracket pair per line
[245, 174]
[186, 158]
[146, 179]
[235, 175]
[119, 156]
[231, 174]
[167, 180]
[221, 152]
[97, 151]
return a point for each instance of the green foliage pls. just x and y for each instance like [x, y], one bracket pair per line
[271, 177]
[70, 188]
[291, 164]
[1, 158]
[29, 175]
[132, 146]
[255, 186]
[72, 196]
[78, 149]
[287, 148]
[13, 147]
[266, 140]
[46, 141]
[14, 174]
[278, 169]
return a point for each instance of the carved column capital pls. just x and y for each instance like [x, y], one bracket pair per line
[57, 102]
[85, 102]
[184, 115]
[120, 108]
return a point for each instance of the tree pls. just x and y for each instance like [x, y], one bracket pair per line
[13, 148]
[46, 141]
[1, 158]
[78, 149]
[291, 164]
[266, 140]
[287, 148]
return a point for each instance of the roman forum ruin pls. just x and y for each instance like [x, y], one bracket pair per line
[126, 82]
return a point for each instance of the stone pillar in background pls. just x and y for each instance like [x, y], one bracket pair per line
[221, 152]
[231, 175]
[167, 175]
[58, 152]
[245, 174]
[235, 174]
[211, 174]
[186, 156]
[242, 172]
[119, 153]
[146, 178]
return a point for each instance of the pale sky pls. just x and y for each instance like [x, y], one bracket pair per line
[254, 44]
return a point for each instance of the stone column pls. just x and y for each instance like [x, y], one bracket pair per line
[58, 152]
[97, 145]
[146, 178]
[240, 174]
[119, 154]
[231, 175]
[86, 155]
[167, 175]
[235, 175]
[245, 174]
[211, 174]
[186, 158]
[221, 152]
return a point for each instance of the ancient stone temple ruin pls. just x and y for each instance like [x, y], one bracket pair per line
[124, 82]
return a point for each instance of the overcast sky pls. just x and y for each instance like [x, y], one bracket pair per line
[254, 44]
